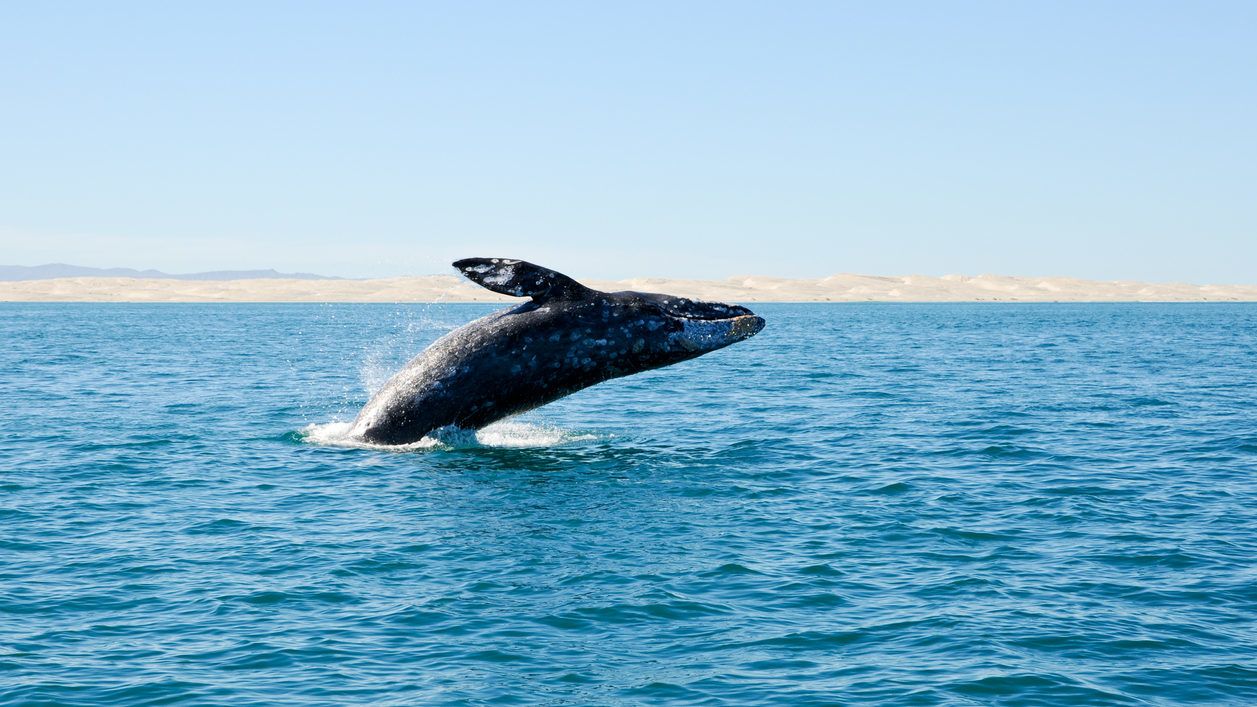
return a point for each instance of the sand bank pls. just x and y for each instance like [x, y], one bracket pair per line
[450, 288]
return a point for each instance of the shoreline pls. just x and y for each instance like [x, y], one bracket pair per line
[453, 289]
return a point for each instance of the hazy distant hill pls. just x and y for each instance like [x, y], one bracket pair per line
[56, 270]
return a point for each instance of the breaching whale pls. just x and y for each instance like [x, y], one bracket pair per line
[565, 338]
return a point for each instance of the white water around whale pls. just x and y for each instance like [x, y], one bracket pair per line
[509, 434]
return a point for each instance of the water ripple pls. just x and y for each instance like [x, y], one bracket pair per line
[909, 504]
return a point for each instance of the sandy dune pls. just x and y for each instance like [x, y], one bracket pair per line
[449, 288]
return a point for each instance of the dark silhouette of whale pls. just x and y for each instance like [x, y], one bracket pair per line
[567, 337]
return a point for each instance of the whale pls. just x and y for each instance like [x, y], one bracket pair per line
[564, 338]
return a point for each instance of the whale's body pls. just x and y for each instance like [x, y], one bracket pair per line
[567, 337]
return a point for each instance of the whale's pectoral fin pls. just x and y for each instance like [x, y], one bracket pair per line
[518, 278]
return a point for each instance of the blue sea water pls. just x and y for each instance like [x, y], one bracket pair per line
[901, 504]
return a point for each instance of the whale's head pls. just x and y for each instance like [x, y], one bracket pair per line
[680, 328]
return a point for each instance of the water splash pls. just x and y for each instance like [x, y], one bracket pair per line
[412, 333]
[378, 365]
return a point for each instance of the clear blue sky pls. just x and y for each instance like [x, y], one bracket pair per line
[1092, 139]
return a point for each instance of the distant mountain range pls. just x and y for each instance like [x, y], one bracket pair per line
[55, 270]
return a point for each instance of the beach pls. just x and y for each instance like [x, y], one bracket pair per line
[451, 288]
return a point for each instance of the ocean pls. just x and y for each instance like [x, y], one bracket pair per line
[865, 503]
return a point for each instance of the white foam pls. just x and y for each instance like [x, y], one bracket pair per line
[506, 435]
[523, 434]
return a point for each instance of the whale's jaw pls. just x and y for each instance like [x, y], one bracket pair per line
[703, 335]
[746, 326]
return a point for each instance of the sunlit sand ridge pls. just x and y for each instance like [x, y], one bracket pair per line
[448, 288]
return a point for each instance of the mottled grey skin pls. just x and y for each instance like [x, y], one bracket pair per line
[568, 337]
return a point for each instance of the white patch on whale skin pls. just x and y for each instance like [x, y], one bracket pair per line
[501, 277]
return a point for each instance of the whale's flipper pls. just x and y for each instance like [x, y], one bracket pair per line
[519, 279]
